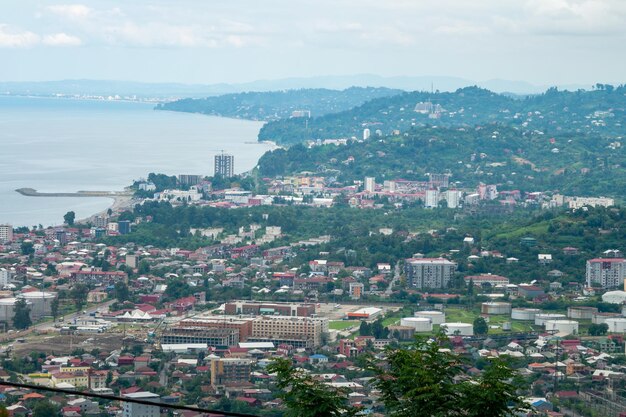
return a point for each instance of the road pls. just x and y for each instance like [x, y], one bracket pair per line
[49, 325]
[396, 276]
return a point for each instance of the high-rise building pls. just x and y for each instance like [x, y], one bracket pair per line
[370, 184]
[188, 179]
[224, 165]
[366, 134]
[141, 410]
[123, 227]
[6, 233]
[429, 272]
[230, 371]
[453, 198]
[607, 272]
[432, 199]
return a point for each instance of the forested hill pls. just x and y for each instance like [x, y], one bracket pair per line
[599, 112]
[279, 104]
[573, 163]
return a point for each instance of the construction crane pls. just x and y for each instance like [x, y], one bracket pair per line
[153, 335]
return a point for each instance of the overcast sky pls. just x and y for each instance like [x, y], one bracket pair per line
[211, 41]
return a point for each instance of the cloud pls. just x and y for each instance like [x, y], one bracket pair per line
[11, 38]
[61, 39]
[71, 11]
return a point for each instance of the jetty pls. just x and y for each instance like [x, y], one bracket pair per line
[31, 192]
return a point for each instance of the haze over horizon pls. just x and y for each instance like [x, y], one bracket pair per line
[542, 42]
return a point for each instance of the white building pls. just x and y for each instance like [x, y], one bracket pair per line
[141, 410]
[5, 276]
[453, 198]
[432, 199]
[389, 186]
[608, 272]
[370, 184]
[180, 195]
[429, 272]
[366, 134]
[6, 233]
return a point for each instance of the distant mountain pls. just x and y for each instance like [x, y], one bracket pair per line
[275, 105]
[171, 91]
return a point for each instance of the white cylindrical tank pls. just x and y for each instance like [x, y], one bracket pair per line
[540, 319]
[420, 324]
[462, 329]
[436, 317]
[616, 325]
[41, 303]
[599, 318]
[527, 314]
[562, 327]
[581, 312]
[496, 308]
[7, 309]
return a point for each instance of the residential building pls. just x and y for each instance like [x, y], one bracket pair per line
[429, 272]
[123, 227]
[5, 276]
[304, 332]
[432, 198]
[366, 134]
[141, 410]
[206, 336]
[186, 179]
[356, 290]
[486, 279]
[6, 233]
[606, 272]
[230, 371]
[453, 198]
[370, 184]
[224, 165]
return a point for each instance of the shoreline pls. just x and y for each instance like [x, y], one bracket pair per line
[121, 200]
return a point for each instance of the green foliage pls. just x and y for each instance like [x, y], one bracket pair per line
[305, 397]
[121, 291]
[69, 218]
[21, 317]
[598, 329]
[44, 408]
[27, 248]
[279, 104]
[480, 326]
[422, 381]
[78, 294]
[54, 308]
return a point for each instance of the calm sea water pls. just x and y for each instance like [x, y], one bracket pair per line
[60, 145]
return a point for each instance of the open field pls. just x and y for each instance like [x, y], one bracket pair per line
[64, 344]
[342, 324]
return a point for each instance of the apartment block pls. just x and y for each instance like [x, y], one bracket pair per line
[429, 272]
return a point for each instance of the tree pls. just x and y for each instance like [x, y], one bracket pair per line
[3, 411]
[21, 318]
[27, 248]
[307, 397]
[44, 409]
[79, 293]
[69, 218]
[365, 329]
[121, 291]
[598, 329]
[480, 326]
[54, 308]
[422, 381]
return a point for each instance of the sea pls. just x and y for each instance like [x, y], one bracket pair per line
[69, 145]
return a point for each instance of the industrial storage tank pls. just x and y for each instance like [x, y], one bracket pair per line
[599, 318]
[420, 324]
[436, 317]
[462, 329]
[527, 314]
[562, 327]
[540, 319]
[496, 308]
[7, 309]
[616, 325]
[581, 312]
[41, 303]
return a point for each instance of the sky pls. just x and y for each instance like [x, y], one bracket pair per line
[544, 42]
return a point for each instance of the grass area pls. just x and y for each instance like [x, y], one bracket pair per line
[532, 230]
[468, 316]
[342, 324]
[391, 321]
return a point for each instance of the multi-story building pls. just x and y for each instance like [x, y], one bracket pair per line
[123, 227]
[242, 324]
[486, 279]
[429, 272]
[6, 233]
[224, 165]
[306, 332]
[200, 335]
[5, 276]
[606, 272]
[370, 184]
[431, 199]
[187, 179]
[226, 371]
[141, 410]
[356, 290]
[453, 198]
[262, 308]
[439, 180]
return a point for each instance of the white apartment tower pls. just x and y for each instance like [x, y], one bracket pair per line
[429, 272]
[6, 233]
[608, 272]
[224, 165]
[141, 410]
[370, 184]
[366, 134]
[432, 199]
